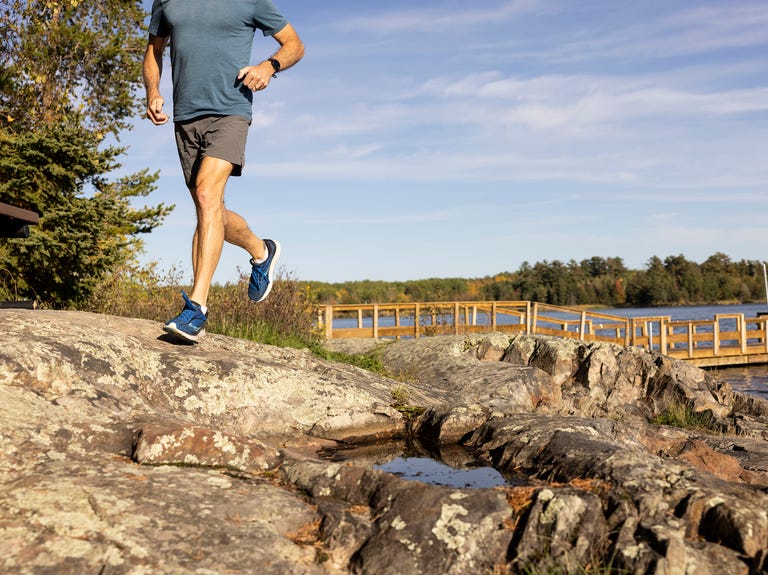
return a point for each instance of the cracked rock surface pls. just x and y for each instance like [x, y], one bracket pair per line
[122, 453]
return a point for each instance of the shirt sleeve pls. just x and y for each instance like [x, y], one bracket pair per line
[158, 25]
[267, 18]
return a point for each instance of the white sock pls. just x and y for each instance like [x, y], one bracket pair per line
[204, 309]
[266, 255]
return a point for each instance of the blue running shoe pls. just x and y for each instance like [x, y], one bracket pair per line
[262, 274]
[190, 323]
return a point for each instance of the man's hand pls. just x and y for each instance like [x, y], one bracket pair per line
[155, 111]
[256, 78]
[291, 51]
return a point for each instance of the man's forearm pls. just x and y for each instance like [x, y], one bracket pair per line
[291, 47]
[153, 65]
[152, 71]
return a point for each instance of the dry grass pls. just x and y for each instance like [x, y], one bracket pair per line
[286, 317]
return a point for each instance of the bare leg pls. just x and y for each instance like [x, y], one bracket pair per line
[208, 240]
[238, 233]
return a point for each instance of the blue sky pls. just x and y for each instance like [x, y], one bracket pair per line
[456, 139]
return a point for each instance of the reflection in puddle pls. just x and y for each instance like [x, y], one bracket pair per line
[430, 471]
[452, 466]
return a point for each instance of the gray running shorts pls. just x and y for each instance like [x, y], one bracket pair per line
[220, 137]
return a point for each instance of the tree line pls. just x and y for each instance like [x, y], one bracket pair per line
[599, 281]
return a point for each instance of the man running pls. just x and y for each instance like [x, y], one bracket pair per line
[213, 85]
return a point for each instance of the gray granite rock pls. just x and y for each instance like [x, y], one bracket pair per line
[123, 453]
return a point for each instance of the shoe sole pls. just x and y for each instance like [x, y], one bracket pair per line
[175, 331]
[270, 271]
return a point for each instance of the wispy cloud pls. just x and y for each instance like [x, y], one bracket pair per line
[669, 34]
[436, 17]
[558, 100]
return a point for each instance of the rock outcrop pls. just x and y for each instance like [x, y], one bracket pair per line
[124, 453]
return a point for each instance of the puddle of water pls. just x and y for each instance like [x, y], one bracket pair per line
[451, 466]
[434, 472]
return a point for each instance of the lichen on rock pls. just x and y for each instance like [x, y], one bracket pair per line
[122, 453]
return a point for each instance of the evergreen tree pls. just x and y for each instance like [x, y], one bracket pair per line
[718, 277]
[69, 75]
[687, 277]
[81, 236]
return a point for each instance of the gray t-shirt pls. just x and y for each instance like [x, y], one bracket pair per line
[210, 43]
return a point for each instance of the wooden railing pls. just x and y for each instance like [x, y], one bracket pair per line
[727, 339]
[15, 221]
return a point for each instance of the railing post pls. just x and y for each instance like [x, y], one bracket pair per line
[649, 331]
[716, 336]
[493, 316]
[582, 325]
[329, 322]
[765, 334]
[691, 332]
[663, 335]
[532, 321]
[416, 316]
[456, 318]
[627, 338]
[743, 332]
[375, 321]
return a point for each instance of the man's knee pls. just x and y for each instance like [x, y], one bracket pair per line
[208, 197]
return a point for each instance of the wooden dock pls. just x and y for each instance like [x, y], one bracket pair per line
[726, 339]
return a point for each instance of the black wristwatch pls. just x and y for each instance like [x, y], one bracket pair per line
[275, 65]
